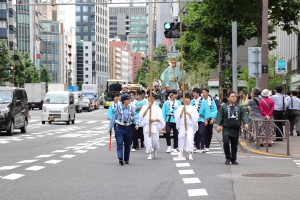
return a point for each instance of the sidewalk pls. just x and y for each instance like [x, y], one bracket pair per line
[278, 149]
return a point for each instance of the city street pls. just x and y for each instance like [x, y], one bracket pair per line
[59, 161]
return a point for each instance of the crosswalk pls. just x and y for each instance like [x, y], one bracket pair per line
[76, 121]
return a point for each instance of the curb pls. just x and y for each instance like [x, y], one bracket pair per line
[246, 149]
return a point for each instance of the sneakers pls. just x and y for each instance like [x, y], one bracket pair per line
[169, 149]
[126, 162]
[149, 156]
[175, 150]
[227, 162]
[121, 162]
[202, 151]
[191, 157]
[234, 162]
[207, 150]
[133, 150]
[180, 155]
[197, 151]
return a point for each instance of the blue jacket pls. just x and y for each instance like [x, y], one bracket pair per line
[111, 111]
[140, 103]
[204, 111]
[213, 109]
[166, 110]
[129, 114]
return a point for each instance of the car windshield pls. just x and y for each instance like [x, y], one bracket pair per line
[5, 96]
[86, 100]
[88, 94]
[56, 99]
[75, 96]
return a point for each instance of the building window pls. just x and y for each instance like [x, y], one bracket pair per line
[85, 18]
[77, 18]
[134, 63]
[85, 28]
[93, 28]
[77, 8]
[3, 5]
[86, 82]
[86, 62]
[78, 28]
[143, 17]
[93, 38]
[92, 8]
[86, 38]
[134, 57]
[85, 8]
[78, 38]
[3, 24]
[86, 76]
[86, 54]
[86, 47]
[92, 18]
[86, 69]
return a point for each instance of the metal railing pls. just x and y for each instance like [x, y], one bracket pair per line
[260, 128]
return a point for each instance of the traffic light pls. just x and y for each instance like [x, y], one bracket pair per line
[10, 68]
[172, 29]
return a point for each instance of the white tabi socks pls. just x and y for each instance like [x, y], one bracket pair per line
[149, 156]
[180, 155]
[191, 157]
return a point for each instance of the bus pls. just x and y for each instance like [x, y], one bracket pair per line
[112, 86]
[134, 87]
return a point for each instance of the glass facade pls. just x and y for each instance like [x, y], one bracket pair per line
[51, 49]
[23, 30]
[79, 48]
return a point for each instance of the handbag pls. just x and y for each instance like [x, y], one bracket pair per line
[290, 113]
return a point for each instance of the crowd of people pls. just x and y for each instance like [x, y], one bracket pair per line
[138, 121]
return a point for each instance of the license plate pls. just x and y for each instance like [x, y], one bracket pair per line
[51, 118]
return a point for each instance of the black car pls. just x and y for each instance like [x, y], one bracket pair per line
[13, 109]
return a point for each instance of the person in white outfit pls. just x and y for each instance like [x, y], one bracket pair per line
[157, 123]
[186, 134]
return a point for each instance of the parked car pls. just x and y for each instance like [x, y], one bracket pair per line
[87, 104]
[13, 109]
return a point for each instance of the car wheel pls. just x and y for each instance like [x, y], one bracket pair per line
[24, 128]
[49, 122]
[10, 130]
[77, 111]
[43, 122]
[40, 108]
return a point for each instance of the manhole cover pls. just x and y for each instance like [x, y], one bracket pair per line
[267, 175]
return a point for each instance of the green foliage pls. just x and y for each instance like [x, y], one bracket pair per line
[45, 75]
[5, 60]
[80, 86]
[159, 50]
[274, 79]
[19, 63]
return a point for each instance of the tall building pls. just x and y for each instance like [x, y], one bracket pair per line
[137, 59]
[8, 23]
[102, 48]
[84, 62]
[129, 23]
[115, 60]
[85, 29]
[125, 66]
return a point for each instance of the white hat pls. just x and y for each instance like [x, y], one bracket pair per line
[155, 84]
[124, 86]
[265, 93]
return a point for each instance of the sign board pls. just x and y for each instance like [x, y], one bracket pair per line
[254, 62]
[213, 83]
[174, 54]
[281, 66]
[73, 88]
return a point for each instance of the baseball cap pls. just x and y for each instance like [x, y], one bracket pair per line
[125, 97]
[155, 84]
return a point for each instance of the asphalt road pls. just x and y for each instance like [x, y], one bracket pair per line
[58, 161]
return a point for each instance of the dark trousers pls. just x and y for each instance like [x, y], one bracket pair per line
[199, 136]
[278, 115]
[135, 137]
[234, 145]
[208, 132]
[141, 136]
[123, 134]
[169, 126]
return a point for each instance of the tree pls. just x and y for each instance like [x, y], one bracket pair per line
[31, 75]
[245, 77]
[160, 50]
[45, 75]
[19, 64]
[80, 85]
[5, 60]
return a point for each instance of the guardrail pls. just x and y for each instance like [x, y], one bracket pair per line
[260, 128]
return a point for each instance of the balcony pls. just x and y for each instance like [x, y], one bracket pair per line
[69, 45]
[12, 38]
[69, 54]
[70, 62]
[12, 21]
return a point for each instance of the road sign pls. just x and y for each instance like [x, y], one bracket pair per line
[281, 66]
[173, 54]
[254, 62]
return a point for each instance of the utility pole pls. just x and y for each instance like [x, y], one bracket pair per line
[234, 57]
[220, 67]
[264, 47]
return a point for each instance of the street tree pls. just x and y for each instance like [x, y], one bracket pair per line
[5, 60]
[274, 79]
[161, 50]
[45, 75]
[19, 67]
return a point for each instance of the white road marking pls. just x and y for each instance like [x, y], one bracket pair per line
[78, 122]
[44, 156]
[197, 192]
[53, 161]
[91, 147]
[91, 122]
[174, 153]
[9, 167]
[4, 142]
[30, 137]
[13, 176]
[186, 171]
[81, 151]
[71, 147]
[182, 164]
[178, 159]
[191, 180]
[91, 144]
[215, 148]
[82, 144]
[100, 144]
[68, 156]
[59, 151]
[35, 168]
[105, 122]
[71, 135]
[27, 161]
[33, 120]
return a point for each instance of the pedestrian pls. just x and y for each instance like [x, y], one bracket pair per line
[186, 133]
[169, 107]
[278, 99]
[135, 132]
[244, 101]
[113, 105]
[230, 117]
[141, 101]
[294, 104]
[123, 133]
[124, 89]
[217, 101]
[266, 106]
[166, 93]
[208, 129]
[157, 123]
[253, 103]
[203, 111]
[288, 96]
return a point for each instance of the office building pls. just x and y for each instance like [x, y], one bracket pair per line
[84, 62]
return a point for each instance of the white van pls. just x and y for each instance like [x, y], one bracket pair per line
[58, 107]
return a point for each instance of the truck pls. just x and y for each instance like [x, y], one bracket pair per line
[57, 87]
[35, 94]
[93, 92]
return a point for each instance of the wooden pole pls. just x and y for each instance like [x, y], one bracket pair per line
[151, 66]
[181, 63]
